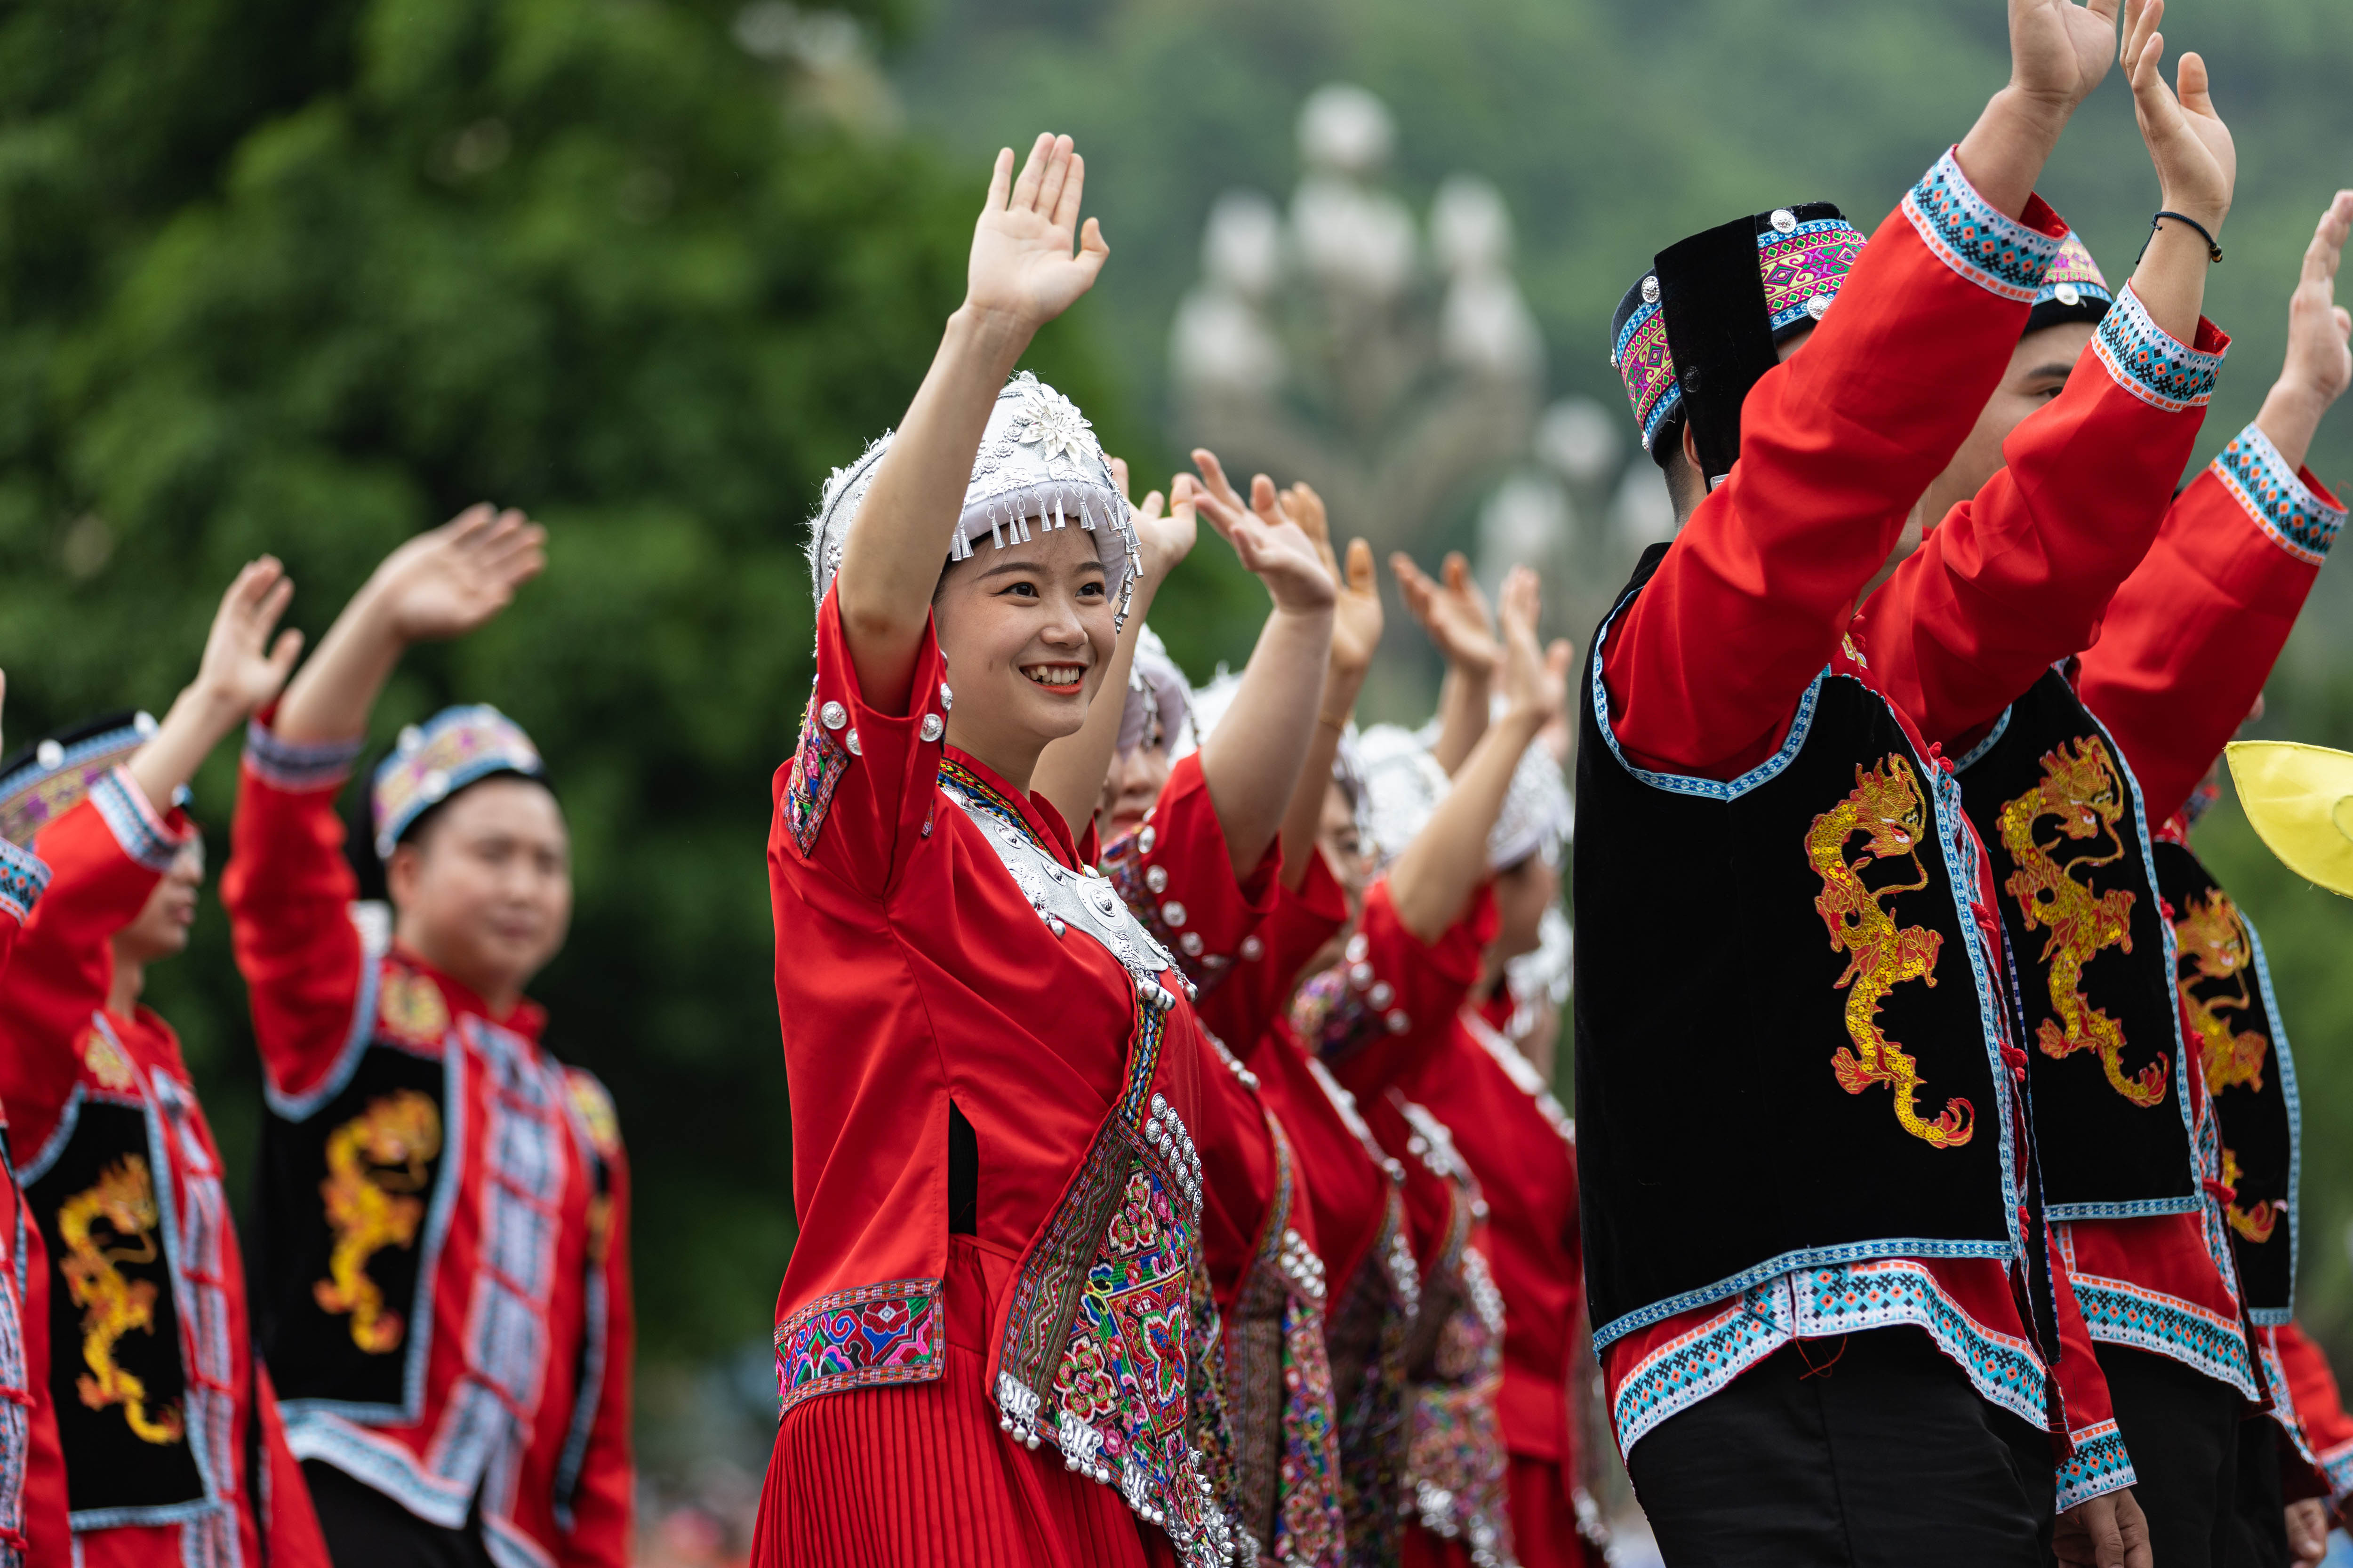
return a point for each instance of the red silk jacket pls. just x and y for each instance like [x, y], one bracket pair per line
[32, 1470]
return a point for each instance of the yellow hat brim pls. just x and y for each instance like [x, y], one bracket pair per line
[2300, 799]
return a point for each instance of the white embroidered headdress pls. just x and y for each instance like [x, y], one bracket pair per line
[1404, 783]
[1155, 686]
[1038, 466]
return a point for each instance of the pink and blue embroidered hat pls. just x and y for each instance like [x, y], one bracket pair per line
[434, 760]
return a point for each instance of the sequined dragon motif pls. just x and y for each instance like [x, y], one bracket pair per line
[2080, 791]
[110, 1223]
[377, 1164]
[2216, 953]
[1886, 806]
[2255, 1224]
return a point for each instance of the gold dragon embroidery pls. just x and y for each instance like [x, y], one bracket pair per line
[376, 1165]
[2079, 790]
[1887, 809]
[2214, 946]
[114, 1222]
[2255, 1224]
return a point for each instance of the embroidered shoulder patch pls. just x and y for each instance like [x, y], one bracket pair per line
[818, 764]
[892, 1333]
[2149, 362]
[409, 1007]
[1972, 236]
[2260, 480]
[108, 1066]
[595, 1103]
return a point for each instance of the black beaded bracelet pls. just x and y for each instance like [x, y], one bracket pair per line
[2214, 251]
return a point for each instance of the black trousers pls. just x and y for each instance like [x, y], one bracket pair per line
[2259, 1536]
[365, 1529]
[1872, 1451]
[2181, 1428]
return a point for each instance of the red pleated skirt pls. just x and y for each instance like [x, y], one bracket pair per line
[918, 1475]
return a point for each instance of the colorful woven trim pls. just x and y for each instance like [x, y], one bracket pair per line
[443, 755]
[55, 778]
[297, 766]
[991, 798]
[2150, 363]
[2074, 277]
[144, 836]
[1973, 237]
[2297, 520]
[23, 875]
[817, 769]
[2118, 1313]
[2336, 1464]
[1648, 368]
[1824, 1303]
[2098, 1466]
[1807, 264]
[892, 1333]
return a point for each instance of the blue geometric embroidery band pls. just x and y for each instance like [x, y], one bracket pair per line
[2298, 521]
[2099, 1466]
[297, 765]
[2118, 1313]
[23, 875]
[2152, 364]
[1974, 238]
[136, 827]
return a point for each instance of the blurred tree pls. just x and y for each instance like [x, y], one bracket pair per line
[305, 278]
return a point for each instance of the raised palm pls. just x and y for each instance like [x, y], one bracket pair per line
[1532, 679]
[2060, 49]
[1356, 618]
[1450, 609]
[2197, 162]
[445, 584]
[2319, 362]
[242, 666]
[1023, 271]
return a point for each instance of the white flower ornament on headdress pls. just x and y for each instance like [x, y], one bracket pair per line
[1044, 419]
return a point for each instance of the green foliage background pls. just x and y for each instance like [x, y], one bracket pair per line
[306, 278]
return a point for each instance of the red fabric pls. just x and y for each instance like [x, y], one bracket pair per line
[1390, 1002]
[53, 1040]
[2319, 1407]
[961, 1497]
[2190, 638]
[1527, 1172]
[1836, 445]
[1543, 1526]
[36, 1512]
[289, 893]
[913, 971]
[2018, 576]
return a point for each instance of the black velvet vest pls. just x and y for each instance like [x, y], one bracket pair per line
[2226, 990]
[1786, 1023]
[2060, 815]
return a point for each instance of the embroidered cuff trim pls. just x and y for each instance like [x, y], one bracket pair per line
[2118, 1313]
[23, 875]
[2100, 1466]
[2152, 364]
[144, 836]
[1975, 239]
[297, 766]
[2336, 1464]
[2277, 498]
[892, 1333]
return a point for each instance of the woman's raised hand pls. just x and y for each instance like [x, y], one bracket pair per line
[1356, 618]
[2197, 165]
[1023, 272]
[1273, 546]
[1532, 679]
[445, 583]
[1452, 611]
[2060, 49]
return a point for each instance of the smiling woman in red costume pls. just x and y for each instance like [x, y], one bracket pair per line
[996, 1341]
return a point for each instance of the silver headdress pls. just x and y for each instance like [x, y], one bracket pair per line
[1404, 783]
[1155, 688]
[1038, 466]
[1205, 711]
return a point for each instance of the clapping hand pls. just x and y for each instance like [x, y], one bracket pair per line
[1452, 611]
[446, 583]
[1357, 617]
[2060, 49]
[2319, 362]
[1532, 679]
[1023, 272]
[1273, 547]
[242, 669]
[2197, 165]
[1162, 540]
